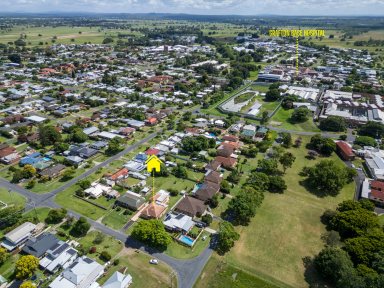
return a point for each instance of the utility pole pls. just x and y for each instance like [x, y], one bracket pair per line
[10, 193]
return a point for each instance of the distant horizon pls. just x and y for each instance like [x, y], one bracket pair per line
[321, 8]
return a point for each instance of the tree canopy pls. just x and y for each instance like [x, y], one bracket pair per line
[327, 175]
[153, 232]
[227, 234]
[333, 123]
[26, 266]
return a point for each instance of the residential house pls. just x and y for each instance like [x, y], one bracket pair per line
[31, 159]
[9, 159]
[154, 211]
[191, 206]
[82, 273]
[345, 151]
[53, 171]
[96, 190]
[41, 166]
[377, 192]
[127, 131]
[206, 191]
[230, 138]
[108, 135]
[141, 157]
[231, 144]
[59, 129]
[236, 128]
[75, 159]
[249, 128]
[226, 162]
[39, 245]
[181, 223]
[194, 131]
[213, 176]
[248, 134]
[60, 256]
[91, 131]
[99, 145]
[152, 151]
[118, 280]
[150, 121]
[135, 166]
[261, 132]
[225, 151]
[213, 166]
[83, 152]
[33, 138]
[131, 200]
[160, 197]
[18, 236]
[121, 174]
[96, 117]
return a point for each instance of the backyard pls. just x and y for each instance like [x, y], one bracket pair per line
[244, 97]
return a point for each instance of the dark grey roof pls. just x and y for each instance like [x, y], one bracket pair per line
[88, 152]
[39, 245]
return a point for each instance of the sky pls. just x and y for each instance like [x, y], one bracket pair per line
[205, 7]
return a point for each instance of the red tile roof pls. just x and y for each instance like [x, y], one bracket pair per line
[58, 128]
[64, 92]
[123, 172]
[150, 120]
[152, 151]
[345, 148]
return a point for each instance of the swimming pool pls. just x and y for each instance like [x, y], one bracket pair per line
[187, 240]
[213, 135]
[218, 142]
[47, 159]
[195, 189]
[72, 146]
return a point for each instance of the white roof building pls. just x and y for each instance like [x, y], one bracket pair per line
[118, 280]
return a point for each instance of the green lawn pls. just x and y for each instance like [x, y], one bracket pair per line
[226, 275]
[283, 115]
[66, 199]
[172, 182]
[12, 198]
[42, 213]
[55, 183]
[287, 227]
[117, 163]
[143, 274]
[112, 246]
[116, 219]
[178, 251]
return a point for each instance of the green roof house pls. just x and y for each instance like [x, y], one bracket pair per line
[261, 132]
[41, 166]
[131, 200]
[249, 134]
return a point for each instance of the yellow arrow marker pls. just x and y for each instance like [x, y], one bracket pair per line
[153, 164]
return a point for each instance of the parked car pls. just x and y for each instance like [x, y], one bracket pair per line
[353, 166]
[209, 209]
[205, 237]
[359, 169]
[154, 261]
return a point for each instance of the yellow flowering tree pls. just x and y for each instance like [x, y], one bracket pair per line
[26, 266]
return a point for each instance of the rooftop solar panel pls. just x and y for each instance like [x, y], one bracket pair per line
[71, 251]
[87, 260]
[60, 249]
[73, 265]
[54, 246]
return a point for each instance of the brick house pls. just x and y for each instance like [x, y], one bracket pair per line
[225, 151]
[345, 151]
[226, 162]
[191, 206]
[206, 191]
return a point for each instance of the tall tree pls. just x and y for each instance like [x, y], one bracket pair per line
[286, 160]
[227, 234]
[26, 266]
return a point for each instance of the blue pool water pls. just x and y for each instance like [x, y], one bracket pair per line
[47, 159]
[72, 146]
[197, 187]
[213, 135]
[186, 240]
[218, 142]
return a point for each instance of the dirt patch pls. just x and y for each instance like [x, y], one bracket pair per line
[275, 123]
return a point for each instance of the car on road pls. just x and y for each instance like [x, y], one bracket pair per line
[359, 169]
[353, 166]
[209, 209]
[205, 237]
[154, 261]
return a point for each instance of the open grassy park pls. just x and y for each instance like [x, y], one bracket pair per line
[284, 115]
[286, 229]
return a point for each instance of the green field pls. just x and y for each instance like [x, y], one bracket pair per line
[143, 274]
[284, 115]
[286, 228]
